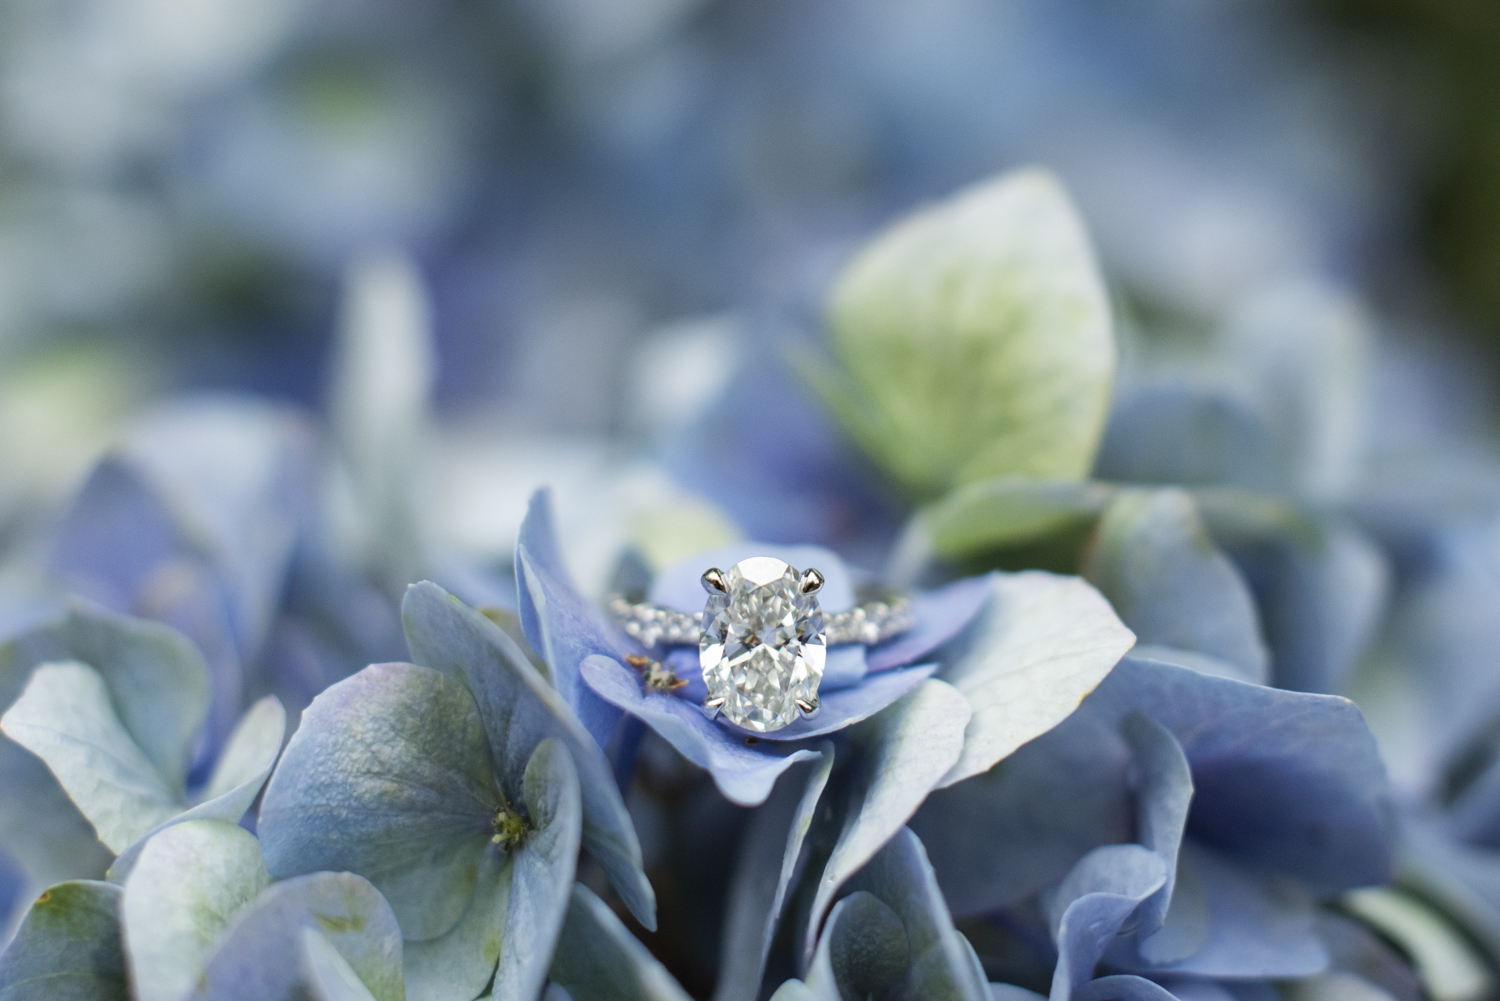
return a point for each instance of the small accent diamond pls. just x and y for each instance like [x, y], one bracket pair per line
[762, 645]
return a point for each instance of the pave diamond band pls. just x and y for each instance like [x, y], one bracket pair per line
[868, 623]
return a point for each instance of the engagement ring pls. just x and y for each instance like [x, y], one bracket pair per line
[761, 638]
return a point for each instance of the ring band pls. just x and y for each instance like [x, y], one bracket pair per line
[869, 623]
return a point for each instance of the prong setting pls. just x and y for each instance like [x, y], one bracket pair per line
[712, 708]
[713, 581]
[811, 581]
[809, 707]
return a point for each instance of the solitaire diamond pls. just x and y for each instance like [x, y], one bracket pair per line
[763, 643]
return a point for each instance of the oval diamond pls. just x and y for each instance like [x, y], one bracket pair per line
[763, 644]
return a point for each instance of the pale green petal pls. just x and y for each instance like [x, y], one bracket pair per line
[975, 339]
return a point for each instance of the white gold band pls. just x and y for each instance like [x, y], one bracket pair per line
[869, 623]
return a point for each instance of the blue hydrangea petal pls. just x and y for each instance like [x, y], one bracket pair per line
[905, 750]
[1164, 792]
[1154, 561]
[843, 667]
[71, 935]
[1176, 433]
[558, 623]
[65, 718]
[1033, 836]
[679, 586]
[1258, 926]
[1092, 904]
[1010, 992]
[743, 773]
[390, 777]
[1273, 771]
[538, 535]
[764, 871]
[251, 961]
[1320, 583]
[519, 710]
[571, 629]
[124, 546]
[1040, 644]
[796, 990]
[188, 885]
[1124, 987]
[939, 615]
[597, 959]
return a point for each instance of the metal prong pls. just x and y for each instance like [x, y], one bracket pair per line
[809, 707]
[713, 581]
[712, 707]
[811, 581]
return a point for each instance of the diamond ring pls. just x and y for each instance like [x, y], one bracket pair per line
[761, 638]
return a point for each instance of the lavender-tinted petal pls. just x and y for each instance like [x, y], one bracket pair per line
[939, 616]
[744, 774]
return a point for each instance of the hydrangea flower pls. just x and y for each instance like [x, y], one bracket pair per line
[108, 708]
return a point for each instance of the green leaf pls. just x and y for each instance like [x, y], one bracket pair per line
[975, 340]
[996, 512]
[190, 882]
[597, 959]
[67, 948]
[65, 718]
[907, 749]
[1155, 562]
[1041, 644]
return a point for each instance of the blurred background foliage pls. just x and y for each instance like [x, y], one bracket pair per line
[183, 183]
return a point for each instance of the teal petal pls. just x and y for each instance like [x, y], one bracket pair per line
[68, 947]
[65, 717]
[390, 776]
[519, 899]
[520, 710]
[940, 963]
[157, 680]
